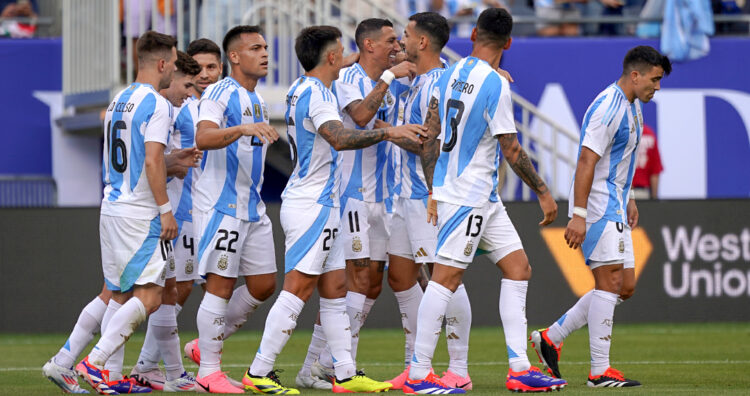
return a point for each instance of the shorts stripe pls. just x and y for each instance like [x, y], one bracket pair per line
[592, 238]
[138, 262]
[303, 245]
[111, 286]
[208, 234]
[451, 225]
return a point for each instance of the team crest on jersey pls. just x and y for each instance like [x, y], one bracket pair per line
[469, 247]
[265, 112]
[256, 108]
[223, 262]
[189, 266]
[388, 99]
[470, 62]
[356, 244]
[621, 246]
[171, 263]
[164, 273]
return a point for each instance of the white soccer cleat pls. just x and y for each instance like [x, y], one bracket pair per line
[65, 378]
[322, 372]
[153, 378]
[186, 383]
[313, 382]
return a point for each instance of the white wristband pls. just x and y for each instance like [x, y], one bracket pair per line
[580, 212]
[387, 77]
[166, 208]
[632, 194]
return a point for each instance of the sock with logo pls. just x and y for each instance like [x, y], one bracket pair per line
[335, 323]
[280, 323]
[574, 319]
[115, 361]
[430, 318]
[355, 307]
[513, 316]
[168, 340]
[210, 319]
[457, 329]
[317, 344]
[88, 324]
[601, 314]
[118, 330]
[369, 302]
[149, 357]
[241, 305]
[408, 304]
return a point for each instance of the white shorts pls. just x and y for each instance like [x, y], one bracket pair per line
[231, 247]
[132, 253]
[608, 242]
[464, 229]
[183, 265]
[412, 236]
[364, 230]
[309, 239]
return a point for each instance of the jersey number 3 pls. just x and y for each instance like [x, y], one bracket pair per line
[454, 121]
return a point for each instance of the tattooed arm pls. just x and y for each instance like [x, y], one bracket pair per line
[404, 143]
[362, 111]
[210, 137]
[341, 138]
[431, 146]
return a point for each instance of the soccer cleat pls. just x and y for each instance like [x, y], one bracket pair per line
[185, 383]
[456, 381]
[549, 354]
[216, 383]
[532, 380]
[398, 382]
[153, 378]
[127, 385]
[611, 378]
[63, 377]
[322, 372]
[359, 383]
[95, 376]
[312, 382]
[192, 351]
[431, 385]
[268, 384]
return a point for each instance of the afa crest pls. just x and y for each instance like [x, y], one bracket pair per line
[256, 108]
[468, 249]
[223, 262]
[171, 263]
[356, 244]
[189, 266]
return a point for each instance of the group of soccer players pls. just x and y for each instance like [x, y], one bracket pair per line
[395, 160]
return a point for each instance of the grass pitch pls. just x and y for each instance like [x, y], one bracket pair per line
[685, 359]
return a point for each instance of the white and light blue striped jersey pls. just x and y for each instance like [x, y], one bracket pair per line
[136, 115]
[232, 176]
[475, 107]
[612, 128]
[317, 174]
[183, 136]
[363, 171]
[413, 184]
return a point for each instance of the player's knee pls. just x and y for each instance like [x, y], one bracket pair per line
[263, 290]
[627, 292]
[169, 295]
[374, 291]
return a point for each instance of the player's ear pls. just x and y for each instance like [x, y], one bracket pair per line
[233, 57]
[424, 42]
[507, 43]
[474, 34]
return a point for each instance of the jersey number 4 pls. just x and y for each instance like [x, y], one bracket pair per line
[118, 151]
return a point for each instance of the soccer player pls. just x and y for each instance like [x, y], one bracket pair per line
[310, 216]
[413, 240]
[602, 216]
[136, 223]
[235, 232]
[162, 339]
[471, 111]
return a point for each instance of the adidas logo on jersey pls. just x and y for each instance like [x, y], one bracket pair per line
[247, 112]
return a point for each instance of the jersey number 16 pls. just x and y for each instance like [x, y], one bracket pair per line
[118, 151]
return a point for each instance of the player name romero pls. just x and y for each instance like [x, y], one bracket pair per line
[461, 86]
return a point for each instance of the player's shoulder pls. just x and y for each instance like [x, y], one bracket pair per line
[352, 74]
[221, 89]
[608, 103]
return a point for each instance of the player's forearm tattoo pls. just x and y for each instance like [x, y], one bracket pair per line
[228, 137]
[360, 263]
[349, 139]
[430, 147]
[375, 97]
[520, 163]
[408, 145]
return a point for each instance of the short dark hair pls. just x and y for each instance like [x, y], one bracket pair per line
[494, 26]
[312, 42]
[434, 25]
[203, 46]
[235, 32]
[366, 28]
[643, 56]
[186, 64]
[151, 43]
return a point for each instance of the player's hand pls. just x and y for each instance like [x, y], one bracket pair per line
[188, 157]
[411, 132]
[350, 59]
[632, 214]
[404, 69]
[381, 124]
[432, 216]
[168, 227]
[266, 133]
[575, 232]
[180, 172]
[549, 208]
[505, 74]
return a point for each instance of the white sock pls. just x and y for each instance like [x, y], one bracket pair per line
[355, 308]
[457, 329]
[317, 343]
[177, 309]
[210, 319]
[430, 319]
[369, 302]
[574, 319]
[408, 305]
[280, 323]
[88, 324]
[241, 305]
[115, 361]
[118, 330]
[601, 314]
[513, 316]
[149, 357]
[164, 325]
[335, 323]
[325, 359]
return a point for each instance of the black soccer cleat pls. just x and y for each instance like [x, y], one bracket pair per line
[549, 354]
[611, 379]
